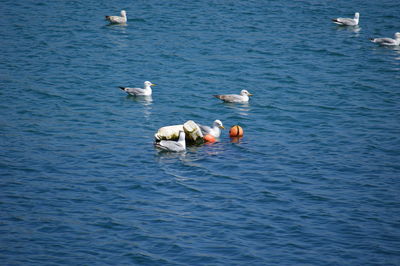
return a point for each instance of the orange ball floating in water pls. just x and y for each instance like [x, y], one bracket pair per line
[209, 138]
[236, 131]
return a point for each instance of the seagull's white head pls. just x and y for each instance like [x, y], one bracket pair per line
[182, 135]
[397, 35]
[148, 84]
[123, 13]
[245, 92]
[218, 123]
[357, 15]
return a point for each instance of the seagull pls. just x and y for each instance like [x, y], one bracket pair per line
[235, 98]
[175, 146]
[347, 21]
[388, 41]
[215, 131]
[118, 19]
[139, 91]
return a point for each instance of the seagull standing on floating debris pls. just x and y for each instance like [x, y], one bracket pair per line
[215, 131]
[139, 91]
[175, 146]
[118, 19]
[347, 21]
[388, 41]
[235, 98]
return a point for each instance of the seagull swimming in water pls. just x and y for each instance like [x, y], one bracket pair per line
[118, 19]
[215, 130]
[175, 146]
[348, 21]
[139, 91]
[235, 98]
[388, 41]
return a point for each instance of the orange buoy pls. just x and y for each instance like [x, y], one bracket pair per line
[209, 138]
[236, 131]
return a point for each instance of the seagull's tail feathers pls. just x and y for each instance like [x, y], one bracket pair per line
[158, 145]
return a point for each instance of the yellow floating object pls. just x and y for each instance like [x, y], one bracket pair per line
[168, 132]
[192, 131]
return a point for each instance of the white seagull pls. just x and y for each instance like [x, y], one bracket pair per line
[175, 146]
[139, 91]
[235, 98]
[347, 21]
[215, 130]
[118, 19]
[388, 41]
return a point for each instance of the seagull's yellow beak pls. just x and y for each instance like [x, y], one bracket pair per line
[153, 84]
[250, 94]
[222, 127]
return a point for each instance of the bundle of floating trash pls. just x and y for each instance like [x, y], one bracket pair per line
[175, 138]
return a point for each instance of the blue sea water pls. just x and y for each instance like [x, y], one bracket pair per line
[314, 180]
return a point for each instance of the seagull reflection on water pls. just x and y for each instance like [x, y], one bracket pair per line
[241, 108]
[145, 101]
[355, 29]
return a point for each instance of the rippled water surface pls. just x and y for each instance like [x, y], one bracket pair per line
[314, 181]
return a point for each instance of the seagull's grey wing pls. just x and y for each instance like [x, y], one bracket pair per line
[111, 18]
[205, 129]
[115, 19]
[346, 21]
[229, 97]
[133, 91]
[169, 145]
[385, 41]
